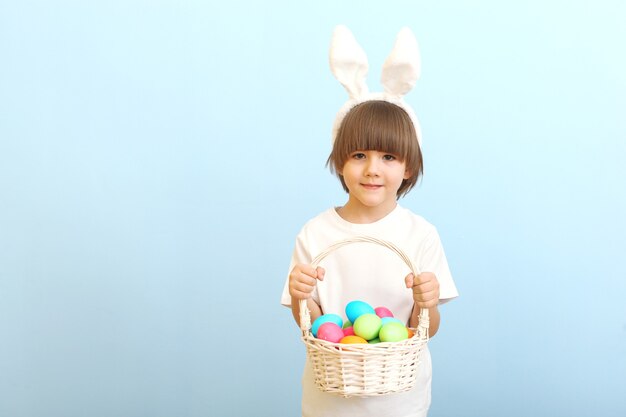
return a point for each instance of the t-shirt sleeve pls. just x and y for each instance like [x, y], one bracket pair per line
[300, 254]
[433, 259]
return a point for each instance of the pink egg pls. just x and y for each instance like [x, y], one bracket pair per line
[330, 332]
[383, 312]
[348, 331]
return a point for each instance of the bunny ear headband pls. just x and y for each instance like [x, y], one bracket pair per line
[401, 70]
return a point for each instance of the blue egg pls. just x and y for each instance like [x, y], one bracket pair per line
[354, 309]
[386, 320]
[334, 318]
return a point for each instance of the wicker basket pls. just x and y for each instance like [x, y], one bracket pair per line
[363, 370]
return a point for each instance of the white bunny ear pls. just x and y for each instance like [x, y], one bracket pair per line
[348, 62]
[402, 67]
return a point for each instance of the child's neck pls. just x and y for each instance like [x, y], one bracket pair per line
[359, 214]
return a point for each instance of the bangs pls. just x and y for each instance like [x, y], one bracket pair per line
[376, 126]
[375, 132]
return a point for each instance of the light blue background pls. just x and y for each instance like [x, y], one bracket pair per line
[158, 158]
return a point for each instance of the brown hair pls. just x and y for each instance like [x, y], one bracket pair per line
[378, 126]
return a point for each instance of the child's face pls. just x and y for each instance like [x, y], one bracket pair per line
[373, 178]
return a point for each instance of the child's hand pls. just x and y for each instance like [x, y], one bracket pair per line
[425, 289]
[302, 280]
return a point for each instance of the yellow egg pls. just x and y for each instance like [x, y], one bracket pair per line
[352, 339]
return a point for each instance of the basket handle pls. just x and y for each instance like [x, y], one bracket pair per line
[305, 314]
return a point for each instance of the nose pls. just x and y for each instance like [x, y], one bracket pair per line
[371, 169]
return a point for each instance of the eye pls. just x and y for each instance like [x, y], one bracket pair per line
[389, 157]
[358, 155]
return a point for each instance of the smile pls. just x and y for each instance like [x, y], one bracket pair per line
[371, 186]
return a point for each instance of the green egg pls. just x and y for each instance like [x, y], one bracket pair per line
[367, 326]
[393, 332]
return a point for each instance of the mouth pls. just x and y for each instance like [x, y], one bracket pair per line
[371, 186]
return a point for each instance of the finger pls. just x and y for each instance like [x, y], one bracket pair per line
[299, 295]
[425, 287]
[426, 296]
[427, 304]
[298, 278]
[301, 290]
[308, 270]
[426, 283]
[308, 281]
[321, 272]
[424, 277]
[427, 299]
[408, 280]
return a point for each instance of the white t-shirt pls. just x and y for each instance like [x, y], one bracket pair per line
[374, 274]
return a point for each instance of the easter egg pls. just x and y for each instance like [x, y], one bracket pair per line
[374, 341]
[330, 332]
[348, 331]
[411, 332]
[352, 339]
[347, 323]
[367, 326]
[393, 332]
[383, 312]
[333, 318]
[354, 309]
[386, 320]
